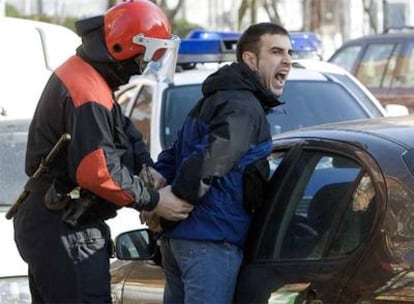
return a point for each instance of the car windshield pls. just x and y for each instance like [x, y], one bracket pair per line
[306, 103]
[13, 138]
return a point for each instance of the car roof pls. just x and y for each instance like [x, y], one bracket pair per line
[399, 35]
[195, 75]
[21, 22]
[397, 130]
[302, 69]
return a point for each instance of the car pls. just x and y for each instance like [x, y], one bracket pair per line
[336, 226]
[14, 287]
[34, 49]
[384, 63]
[316, 92]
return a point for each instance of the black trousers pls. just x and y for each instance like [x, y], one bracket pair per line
[66, 265]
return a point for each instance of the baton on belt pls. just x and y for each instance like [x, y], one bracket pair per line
[43, 167]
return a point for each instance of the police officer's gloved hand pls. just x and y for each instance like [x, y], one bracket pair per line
[152, 178]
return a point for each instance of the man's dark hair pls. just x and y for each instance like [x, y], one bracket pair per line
[250, 39]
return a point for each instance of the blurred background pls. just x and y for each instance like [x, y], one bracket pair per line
[335, 21]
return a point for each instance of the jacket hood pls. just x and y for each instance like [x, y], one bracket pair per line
[93, 50]
[238, 76]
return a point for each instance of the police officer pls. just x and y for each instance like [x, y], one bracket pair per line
[69, 263]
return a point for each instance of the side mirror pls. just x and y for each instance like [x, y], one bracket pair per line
[135, 245]
[396, 110]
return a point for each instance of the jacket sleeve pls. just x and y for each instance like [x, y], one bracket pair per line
[227, 136]
[95, 162]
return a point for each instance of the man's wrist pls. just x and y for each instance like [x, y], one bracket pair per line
[149, 204]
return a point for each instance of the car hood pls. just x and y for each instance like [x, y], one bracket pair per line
[143, 280]
[11, 264]
[138, 272]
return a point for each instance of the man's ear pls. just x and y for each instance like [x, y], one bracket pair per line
[250, 59]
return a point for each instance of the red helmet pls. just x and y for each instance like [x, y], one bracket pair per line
[130, 26]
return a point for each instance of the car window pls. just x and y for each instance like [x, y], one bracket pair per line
[324, 213]
[12, 154]
[360, 95]
[377, 64]
[306, 104]
[141, 109]
[404, 75]
[178, 101]
[347, 57]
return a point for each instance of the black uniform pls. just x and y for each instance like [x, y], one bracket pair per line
[66, 264]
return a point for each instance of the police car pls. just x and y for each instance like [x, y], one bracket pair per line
[316, 92]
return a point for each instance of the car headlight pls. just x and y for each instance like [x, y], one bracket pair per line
[15, 290]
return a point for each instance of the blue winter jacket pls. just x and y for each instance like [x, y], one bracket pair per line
[223, 133]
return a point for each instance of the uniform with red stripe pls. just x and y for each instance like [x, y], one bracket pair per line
[104, 146]
[70, 263]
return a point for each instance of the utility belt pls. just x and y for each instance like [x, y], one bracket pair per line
[77, 206]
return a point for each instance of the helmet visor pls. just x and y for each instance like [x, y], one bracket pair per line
[161, 55]
[154, 45]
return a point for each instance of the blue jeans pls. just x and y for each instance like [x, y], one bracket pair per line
[200, 271]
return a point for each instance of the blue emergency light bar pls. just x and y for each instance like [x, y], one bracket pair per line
[305, 44]
[203, 34]
[201, 46]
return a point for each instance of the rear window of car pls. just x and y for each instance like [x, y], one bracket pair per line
[347, 57]
[404, 74]
[306, 103]
[13, 139]
[359, 94]
[178, 101]
[377, 65]
[309, 103]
